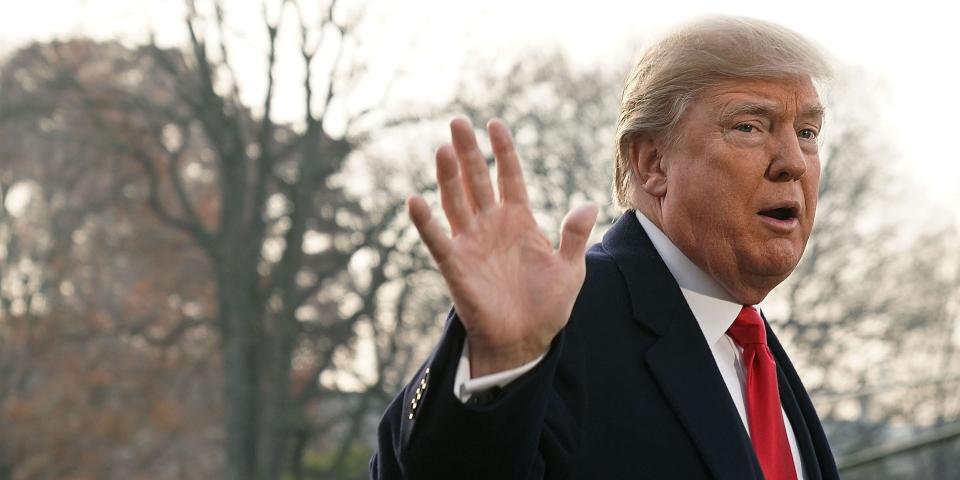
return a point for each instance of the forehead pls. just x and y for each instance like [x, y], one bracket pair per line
[794, 97]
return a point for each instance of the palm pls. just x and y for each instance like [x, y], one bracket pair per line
[511, 289]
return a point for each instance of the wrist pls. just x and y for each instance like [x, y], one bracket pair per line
[485, 360]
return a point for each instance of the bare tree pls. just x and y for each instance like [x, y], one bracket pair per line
[268, 227]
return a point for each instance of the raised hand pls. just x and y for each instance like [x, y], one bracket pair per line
[511, 289]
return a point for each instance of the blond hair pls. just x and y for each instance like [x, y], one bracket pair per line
[674, 70]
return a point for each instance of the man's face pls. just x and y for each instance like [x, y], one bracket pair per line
[742, 180]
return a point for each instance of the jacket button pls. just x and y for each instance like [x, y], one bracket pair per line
[418, 393]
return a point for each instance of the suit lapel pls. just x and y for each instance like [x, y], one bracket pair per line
[814, 448]
[800, 431]
[680, 360]
[690, 381]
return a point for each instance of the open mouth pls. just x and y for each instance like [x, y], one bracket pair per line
[782, 213]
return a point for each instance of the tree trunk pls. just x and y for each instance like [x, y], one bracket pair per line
[6, 468]
[239, 316]
[278, 408]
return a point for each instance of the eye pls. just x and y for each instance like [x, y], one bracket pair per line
[808, 134]
[745, 127]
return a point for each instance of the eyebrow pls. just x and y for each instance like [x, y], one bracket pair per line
[769, 110]
[813, 110]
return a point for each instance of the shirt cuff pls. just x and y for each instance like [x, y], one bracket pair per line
[464, 387]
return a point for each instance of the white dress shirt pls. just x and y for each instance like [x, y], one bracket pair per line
[714, 309]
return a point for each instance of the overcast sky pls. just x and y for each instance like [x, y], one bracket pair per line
[911, 46]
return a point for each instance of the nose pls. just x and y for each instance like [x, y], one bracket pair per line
[788, 161]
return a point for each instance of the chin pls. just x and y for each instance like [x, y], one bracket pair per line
[776, 261]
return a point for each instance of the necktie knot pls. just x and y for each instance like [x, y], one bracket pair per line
[748, 328]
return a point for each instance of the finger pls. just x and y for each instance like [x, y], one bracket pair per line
[452, 197]
[473, 166]
[509, 173]
[576, 229]
[430, 231]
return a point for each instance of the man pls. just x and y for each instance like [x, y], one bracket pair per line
[645, 356]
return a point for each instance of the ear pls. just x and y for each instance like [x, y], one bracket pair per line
[646, 161]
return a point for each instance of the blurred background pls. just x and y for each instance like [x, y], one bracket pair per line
[206, 269]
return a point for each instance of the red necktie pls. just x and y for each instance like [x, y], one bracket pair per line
[767, 431]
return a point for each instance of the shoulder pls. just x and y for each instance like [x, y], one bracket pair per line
[604, 285]
[601, 266]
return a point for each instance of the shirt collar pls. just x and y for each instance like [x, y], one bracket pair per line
[714, 308]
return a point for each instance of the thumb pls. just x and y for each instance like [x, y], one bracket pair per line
[576, 229]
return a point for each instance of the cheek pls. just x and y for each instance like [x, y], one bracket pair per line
[714, 184]
[811, 192]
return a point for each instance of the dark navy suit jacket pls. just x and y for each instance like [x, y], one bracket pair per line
[629, 389]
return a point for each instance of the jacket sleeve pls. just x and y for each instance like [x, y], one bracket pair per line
[529, 430]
